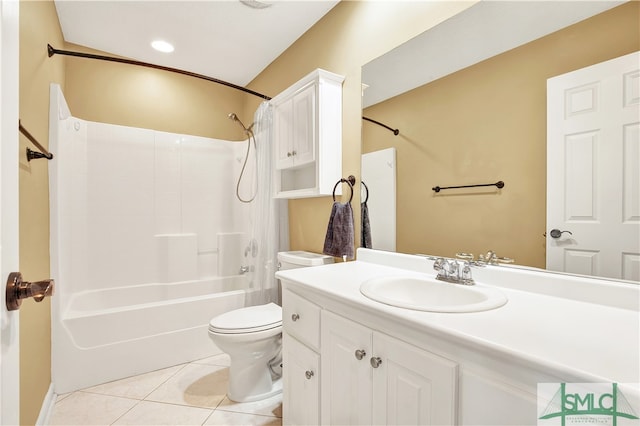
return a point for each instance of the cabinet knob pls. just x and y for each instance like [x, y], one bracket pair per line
[295, 317]
[289, 154]
[293, 152]
[360, 353]
[308, 374]
[376, 361]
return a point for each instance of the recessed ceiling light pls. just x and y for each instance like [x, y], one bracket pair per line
[162, 46]
[254, 4]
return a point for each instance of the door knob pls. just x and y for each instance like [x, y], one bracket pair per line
[17, 289]
[556, 233]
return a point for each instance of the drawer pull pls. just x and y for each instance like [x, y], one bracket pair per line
[376, 361]
[308, 374]
[360, 353]
[295, 317]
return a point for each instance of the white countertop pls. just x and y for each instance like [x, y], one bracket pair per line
[593, 341]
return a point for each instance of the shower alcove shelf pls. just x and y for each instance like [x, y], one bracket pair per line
[307, 125]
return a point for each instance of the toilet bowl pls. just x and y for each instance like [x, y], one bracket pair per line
[252, 338]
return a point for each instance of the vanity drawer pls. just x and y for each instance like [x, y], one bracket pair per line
[301, 319]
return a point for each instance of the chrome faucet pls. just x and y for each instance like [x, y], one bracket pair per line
[244, 270]
[449, 270]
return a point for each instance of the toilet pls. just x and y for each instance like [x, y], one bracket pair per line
[252, 338]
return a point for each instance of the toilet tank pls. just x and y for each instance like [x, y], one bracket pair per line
[301, 259]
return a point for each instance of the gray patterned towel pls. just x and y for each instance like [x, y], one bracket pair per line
[365, 235]
[339, 241]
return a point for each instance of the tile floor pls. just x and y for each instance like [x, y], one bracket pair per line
[187, 394]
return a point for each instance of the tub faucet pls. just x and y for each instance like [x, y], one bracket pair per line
[449, 270]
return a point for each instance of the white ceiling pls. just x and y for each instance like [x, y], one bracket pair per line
[223, 39]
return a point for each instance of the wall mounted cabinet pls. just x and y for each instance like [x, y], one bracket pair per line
[307, 126]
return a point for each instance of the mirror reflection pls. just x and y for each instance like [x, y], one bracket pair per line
[480, 116]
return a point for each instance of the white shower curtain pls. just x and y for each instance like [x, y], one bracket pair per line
[268, 231]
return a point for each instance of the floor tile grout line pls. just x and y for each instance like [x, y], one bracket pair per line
[123, 414]
[182, 366]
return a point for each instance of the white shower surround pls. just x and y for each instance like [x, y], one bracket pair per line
[147, 239]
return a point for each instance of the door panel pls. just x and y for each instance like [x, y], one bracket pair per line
[412, 386]
[593, 172]
[346, 380]
[9, 355]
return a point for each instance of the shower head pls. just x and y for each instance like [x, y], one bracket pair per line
[233, 117]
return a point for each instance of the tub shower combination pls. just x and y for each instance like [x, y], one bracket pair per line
[147, 243]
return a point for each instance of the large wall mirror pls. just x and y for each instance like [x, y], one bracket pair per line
[469, 99]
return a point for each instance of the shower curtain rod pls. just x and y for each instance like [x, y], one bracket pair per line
[53, 51]
[31, 154]
[396, 132]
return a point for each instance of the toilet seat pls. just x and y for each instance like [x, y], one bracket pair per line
[252, 319]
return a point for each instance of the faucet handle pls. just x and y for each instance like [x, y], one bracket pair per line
[465, 256]
[438, 264]
[454, 268]
[466, 271]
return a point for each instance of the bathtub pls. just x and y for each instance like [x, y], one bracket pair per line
[114, 333]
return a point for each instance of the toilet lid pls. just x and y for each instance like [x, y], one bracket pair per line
[248, 320]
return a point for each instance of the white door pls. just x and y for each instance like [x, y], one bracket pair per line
[9, 355]
[300, 383]
[593, 172]
[412, 386]
[304, 118]
[346, 371]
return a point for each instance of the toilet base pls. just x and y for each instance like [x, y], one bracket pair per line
[276, 389]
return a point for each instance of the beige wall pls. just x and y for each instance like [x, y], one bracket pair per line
[350, 35]
[128, 95]
[38, 26]
[483, 124]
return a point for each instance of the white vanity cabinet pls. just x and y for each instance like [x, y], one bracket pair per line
[371, 378]
[337, 371]
[307, 129]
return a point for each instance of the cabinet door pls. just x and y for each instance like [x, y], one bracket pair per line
[412, 386]
[283, 132]
[301, 383]
[346, 375]
[304, 123]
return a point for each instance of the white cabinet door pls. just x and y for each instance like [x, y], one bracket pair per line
[283, 131]
[412, 386]
[346, 380]
[301, 383]
[304, 123]
[295, 125]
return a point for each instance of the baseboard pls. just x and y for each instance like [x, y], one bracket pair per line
[47, 407]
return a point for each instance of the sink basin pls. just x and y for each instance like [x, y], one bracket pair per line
[429, 294]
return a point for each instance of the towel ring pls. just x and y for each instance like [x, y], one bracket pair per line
[367, 189]
[350, 181]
